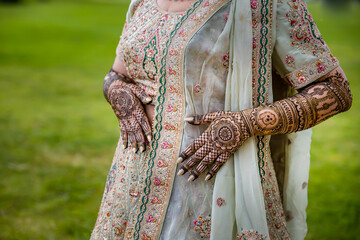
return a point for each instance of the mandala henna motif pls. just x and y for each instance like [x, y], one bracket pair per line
[229, 130]
[125, 99]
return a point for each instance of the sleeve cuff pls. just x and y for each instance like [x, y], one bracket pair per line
[312, 71]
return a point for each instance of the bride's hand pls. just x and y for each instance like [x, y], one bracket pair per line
[125, 101]
[226, 133]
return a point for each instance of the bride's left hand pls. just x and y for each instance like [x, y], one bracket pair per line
[226, 133]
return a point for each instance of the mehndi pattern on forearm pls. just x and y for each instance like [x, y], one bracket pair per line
[305, 109]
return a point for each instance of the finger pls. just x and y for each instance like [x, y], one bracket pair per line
[140, 139]
[193, 147]
[204, 164]
[124, 135]
[140, 93]
[199, 154]
[204, 119]
[144, 122]
[132, 141]
[219, 162]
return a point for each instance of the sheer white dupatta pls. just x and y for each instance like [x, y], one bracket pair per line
[238, 182]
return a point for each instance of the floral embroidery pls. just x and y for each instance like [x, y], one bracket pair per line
[169, 126]
[220, 202]
[290, 61]
[118, 230]
[173, 90]
[144, 236]
[321, 68]
[312, 71]
[254, 4]
[144, 173]
[304, 33]
[162, 163]
[158, 182]
[156, 200]
[250, 235]
[226, 60]
[149, 63]
[133, 193]
[203, 226]
[226, 16]
[171, 108]
[197, 88]
[166, 145]
[150, 218]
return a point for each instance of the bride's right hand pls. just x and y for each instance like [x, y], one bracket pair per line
[125, 101]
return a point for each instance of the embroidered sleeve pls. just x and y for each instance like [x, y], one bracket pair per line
[301, 55]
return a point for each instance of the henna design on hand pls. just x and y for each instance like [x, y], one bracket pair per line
[226, 133]
[125, 97]
[229, 130]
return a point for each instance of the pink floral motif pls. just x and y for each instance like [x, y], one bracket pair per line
[197, 88]
[166, 145]
[150, 218]
[133, 194]
[254, 43]
[163, 19]
[171, 71]
[320, 66]
[156, 200]
[254, 4]
[158, 182]
[171, 108]
[250, 235]
[182, 33]
[226, 16]
[162, 163]
[290, 60]
[226, 60]
[220, 202]
[301, 79]
[173, 52]
[203, 226]
[144, 236]
[207, 4]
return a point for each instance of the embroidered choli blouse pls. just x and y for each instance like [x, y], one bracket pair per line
[172, 56]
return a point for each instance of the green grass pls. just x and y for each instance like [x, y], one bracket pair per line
[58, 134]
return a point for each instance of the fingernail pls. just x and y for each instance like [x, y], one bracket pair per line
[179, 160]
[191, 178]
[148, 99]
[208, 177]
[189, 119]
[141, 149]
[148, 138]
[180, 172]
[134, 150]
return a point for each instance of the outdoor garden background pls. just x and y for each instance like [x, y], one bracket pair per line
[58, 134]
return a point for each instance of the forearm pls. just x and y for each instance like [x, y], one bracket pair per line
[312, 105]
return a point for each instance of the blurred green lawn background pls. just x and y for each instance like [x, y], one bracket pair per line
[58, 134]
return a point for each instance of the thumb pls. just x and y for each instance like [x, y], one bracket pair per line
[204, 119]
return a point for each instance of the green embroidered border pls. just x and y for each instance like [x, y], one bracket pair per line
[261, 99]
[158, 126]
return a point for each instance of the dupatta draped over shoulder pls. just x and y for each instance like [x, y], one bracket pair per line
[218, 55]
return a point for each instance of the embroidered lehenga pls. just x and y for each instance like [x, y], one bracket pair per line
[183, 61]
